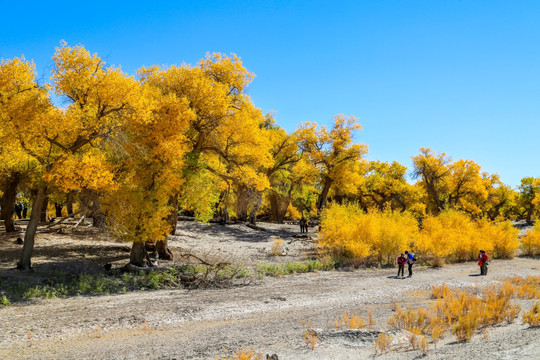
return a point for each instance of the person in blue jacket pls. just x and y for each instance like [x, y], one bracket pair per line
[410, 261]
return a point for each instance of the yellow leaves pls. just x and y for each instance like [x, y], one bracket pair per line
[353, 233]
[453, 236]
[530, 243]
[227, 70]
[90, 171]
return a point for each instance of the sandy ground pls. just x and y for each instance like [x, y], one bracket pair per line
[270, 316]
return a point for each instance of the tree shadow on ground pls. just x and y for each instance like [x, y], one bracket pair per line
[236, 232]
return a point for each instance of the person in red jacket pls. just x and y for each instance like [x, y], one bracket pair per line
[482, 262]
[401, 260]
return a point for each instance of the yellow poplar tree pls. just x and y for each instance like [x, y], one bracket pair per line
[332, 152]
[100, 101]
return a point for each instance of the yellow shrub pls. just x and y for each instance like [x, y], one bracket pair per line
[348, 231]
[532, 317]
[449, 236]
[349, 321]
[530, 243]
[463, 312]
[293, 213]
[501, 238]
[454, 236]
[383, 343]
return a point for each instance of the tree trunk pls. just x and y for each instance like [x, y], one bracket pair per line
[98, 218]
[173, 216]
[43, 213]
[25, 262]
[321, 201]
[255, 208]
[242, 202]
[8, 200]
[529, 215]
[58, 210]
[138, 254]
[279, 204]
[69, 203]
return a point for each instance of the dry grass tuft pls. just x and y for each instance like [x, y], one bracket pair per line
[532, 317]
[383, 344]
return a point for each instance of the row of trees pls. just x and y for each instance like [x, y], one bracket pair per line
[132, 151]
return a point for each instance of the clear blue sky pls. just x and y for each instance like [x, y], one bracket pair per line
[461, 77]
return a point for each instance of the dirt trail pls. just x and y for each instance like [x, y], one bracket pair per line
[269, 316]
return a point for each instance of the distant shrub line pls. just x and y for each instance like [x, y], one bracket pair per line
[380, 236]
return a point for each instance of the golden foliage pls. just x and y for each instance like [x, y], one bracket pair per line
[462, 312]
[350, 232]
[453, 236]
[530, 243]
[532, 317]
[383, 343]
[349, 321]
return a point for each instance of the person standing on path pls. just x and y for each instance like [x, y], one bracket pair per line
[303, 223]
[483, 258]
[410, 260]
[401, 260]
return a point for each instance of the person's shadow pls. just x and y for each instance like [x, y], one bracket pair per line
[476, 275]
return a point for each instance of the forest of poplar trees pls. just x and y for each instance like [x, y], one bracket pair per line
[131, 152]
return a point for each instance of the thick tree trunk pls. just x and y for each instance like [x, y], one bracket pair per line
[8, 200]
[278, 206]
[43, 213]
[529, 215]
[138, 254]
[25, 262]
[321, 201]
[255, 208]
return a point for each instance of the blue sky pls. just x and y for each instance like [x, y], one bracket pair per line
[461, 77]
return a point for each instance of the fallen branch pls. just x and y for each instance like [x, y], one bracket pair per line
[78, 222]
[61, 220]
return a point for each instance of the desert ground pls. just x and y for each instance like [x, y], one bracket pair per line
[269, 315]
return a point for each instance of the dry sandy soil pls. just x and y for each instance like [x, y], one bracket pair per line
[270, 315]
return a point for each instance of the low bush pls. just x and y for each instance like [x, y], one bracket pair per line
[349, 232]
[530, 243]
[461, 312]
[532, 317]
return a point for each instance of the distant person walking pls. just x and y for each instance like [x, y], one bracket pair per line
[410, 261]
[401, 260]
[483, 262]
[303, 225]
